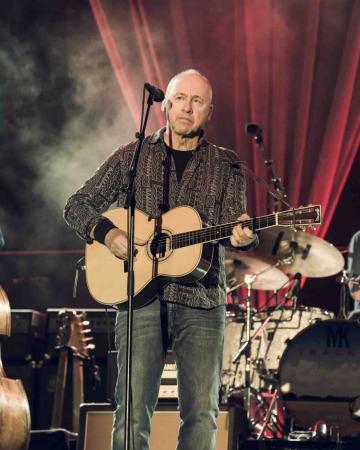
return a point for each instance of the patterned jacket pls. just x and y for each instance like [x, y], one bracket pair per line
[212, 183]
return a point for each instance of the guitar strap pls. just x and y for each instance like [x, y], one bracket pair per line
[165, 204]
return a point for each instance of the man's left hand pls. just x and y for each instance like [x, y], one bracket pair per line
[242, 236]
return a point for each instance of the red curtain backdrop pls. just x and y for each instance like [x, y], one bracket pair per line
[290, 66]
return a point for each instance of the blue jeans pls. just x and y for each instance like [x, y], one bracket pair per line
[197, 337]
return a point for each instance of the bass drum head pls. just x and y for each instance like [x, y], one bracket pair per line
[319, 376]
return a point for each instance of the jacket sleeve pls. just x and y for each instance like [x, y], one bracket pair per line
[234, 197]
[84, 208]
[234, 202]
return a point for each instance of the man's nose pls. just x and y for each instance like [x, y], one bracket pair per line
[187, 105]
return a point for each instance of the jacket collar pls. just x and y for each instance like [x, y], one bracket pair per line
[159, 136]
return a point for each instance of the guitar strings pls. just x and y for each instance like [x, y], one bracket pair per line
[213, 232]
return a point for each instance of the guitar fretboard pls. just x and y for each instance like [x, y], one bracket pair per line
[219, 232]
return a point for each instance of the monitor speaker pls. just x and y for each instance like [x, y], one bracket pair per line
[96, 425]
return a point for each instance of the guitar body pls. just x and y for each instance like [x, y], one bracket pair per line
[106, 275]
[178, 249]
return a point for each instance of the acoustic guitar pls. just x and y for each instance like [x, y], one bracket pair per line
[177, 248]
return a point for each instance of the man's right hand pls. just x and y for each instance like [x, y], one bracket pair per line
[117, 242]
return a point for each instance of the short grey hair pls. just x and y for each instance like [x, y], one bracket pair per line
[175, 77]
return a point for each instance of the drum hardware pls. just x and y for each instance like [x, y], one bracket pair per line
[270, 378]
[296, 253]
[268, 414]
[245, 347]
[249, 279]
[343, 280]
[284, 326]
[268, 276]
[235, 337]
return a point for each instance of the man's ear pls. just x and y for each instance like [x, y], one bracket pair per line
[166, 104]
[211, 109]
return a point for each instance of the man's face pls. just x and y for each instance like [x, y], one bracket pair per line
[189, 105]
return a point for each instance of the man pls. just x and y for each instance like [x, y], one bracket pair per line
[2, 240]
[178, 166]
[353, 269]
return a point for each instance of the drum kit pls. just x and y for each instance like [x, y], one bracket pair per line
[290, 367]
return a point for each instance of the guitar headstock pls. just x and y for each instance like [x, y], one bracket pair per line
[304, 216]
[73, 332]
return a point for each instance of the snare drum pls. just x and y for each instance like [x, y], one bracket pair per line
[319, 375]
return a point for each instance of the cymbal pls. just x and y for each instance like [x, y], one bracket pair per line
[299, 252]
[268, 278]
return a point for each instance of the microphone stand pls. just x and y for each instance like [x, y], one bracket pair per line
[130, 204]
[256, 130]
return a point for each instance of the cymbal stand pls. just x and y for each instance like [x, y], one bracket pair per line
[243, 283]
[249, 279]
[344, 300]
[245, 347]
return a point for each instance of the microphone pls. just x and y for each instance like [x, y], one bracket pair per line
[253, 129]
[156, 93]
[293, 292]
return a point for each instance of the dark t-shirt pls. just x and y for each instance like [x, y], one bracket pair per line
[181, 159]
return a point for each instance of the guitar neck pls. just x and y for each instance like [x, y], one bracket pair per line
[218, 232]
[305, 215]
[78, 390]
[58, 405]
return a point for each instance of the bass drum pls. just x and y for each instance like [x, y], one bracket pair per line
[319, 376]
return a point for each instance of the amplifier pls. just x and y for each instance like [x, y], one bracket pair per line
[96, 425]
[27, 340]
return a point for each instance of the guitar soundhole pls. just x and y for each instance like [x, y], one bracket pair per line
[159, 246]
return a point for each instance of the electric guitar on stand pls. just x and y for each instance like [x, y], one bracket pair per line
[72, 340]
[177, 248]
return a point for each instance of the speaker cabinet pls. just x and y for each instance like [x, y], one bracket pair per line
[96, 425]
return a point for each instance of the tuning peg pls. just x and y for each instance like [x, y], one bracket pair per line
[90, 347]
